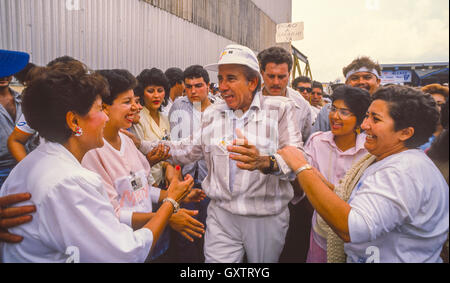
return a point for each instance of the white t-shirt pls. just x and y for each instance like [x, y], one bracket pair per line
[75, 220]
[400, 211]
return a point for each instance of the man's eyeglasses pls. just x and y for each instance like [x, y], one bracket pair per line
[302, 89]
[343, 113]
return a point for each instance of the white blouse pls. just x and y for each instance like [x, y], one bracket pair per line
[148, 130]
[400, 211]
[75, 220]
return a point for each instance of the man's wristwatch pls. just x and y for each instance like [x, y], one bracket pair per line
[272, 161]
[303, 168]
[176, 206]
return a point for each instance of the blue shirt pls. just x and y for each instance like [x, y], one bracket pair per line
[322, 123]
[428, 144]
[7, 124]
[184, 122]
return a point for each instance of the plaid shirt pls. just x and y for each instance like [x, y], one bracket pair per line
[270, 124]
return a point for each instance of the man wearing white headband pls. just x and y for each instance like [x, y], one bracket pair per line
[363, 73]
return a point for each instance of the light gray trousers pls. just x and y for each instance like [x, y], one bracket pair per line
[228, 236]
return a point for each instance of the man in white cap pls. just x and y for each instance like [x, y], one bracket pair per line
[11, 62]
[364, 73]
[248, 183]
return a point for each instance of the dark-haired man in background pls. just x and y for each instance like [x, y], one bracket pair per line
[176, 84]
[276, 65]
[185, 118]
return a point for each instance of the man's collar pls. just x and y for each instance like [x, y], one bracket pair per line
[265, 92]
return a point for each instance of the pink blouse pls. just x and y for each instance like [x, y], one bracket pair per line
[333, 164]
[126, 178]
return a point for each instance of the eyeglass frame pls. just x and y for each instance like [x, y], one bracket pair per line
[333, 109]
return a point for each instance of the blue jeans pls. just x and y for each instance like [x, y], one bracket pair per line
[4, 173]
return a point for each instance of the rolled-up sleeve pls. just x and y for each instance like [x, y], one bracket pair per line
[358, 228]
[155, 194]
[289, 135]
[126, 217]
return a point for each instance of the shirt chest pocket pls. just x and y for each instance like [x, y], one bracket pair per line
[219, 161]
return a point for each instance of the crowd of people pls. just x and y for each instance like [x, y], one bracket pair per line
[103, 166]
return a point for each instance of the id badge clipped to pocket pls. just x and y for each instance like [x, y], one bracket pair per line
[136, 182]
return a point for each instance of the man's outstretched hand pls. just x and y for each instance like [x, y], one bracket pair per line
[14, 216]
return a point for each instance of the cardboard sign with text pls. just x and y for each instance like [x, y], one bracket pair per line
[289, 32]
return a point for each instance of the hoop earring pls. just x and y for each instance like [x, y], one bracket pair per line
[78, 132]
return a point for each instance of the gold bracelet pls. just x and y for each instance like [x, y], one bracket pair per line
[303, 168]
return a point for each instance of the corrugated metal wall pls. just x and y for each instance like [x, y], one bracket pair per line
[132, 34]
[280, 11]
[238, 20]
[106, 34]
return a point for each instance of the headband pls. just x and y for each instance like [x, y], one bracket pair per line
[362, 70]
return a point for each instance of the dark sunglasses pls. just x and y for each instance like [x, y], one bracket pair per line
[302, 89]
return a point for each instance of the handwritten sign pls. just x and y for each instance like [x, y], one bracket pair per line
[290, 32]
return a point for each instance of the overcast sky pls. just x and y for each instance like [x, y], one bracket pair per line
[395, 31]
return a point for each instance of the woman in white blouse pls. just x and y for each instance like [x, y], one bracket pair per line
[154, 125]
[393, 206]
[75, 221]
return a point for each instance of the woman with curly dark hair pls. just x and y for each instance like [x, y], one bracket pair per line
[154, 125]
[393, 205]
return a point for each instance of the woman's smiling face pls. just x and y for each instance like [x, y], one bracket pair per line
[342, 120]
[121, 113]
[382, 139]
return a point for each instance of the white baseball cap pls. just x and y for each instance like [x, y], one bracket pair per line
[236, 54]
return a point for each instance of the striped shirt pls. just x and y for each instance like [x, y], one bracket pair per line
[270, 125]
